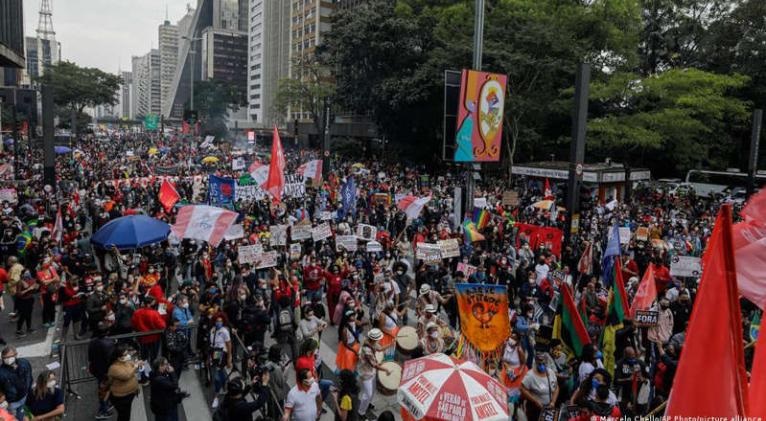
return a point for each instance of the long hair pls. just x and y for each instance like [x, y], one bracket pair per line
[41, 387]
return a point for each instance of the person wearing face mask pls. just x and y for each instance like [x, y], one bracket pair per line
[147, 319]
[100, 350]
[539, 387]
[661, 332]
[49, 282]
[220, 356]
[16, 379]
[348, 342]
[432, 342]
[96, 304]
[203, 269]
[164, 393]
[123, 386]
[25, 301]
[123, 313]
[304, 401]
[176, 344]
[46, 400]
[629, 371]
[71, 297]
[310, 325]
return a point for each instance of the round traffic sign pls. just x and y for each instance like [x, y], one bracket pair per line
[578, 169]
[326, 153]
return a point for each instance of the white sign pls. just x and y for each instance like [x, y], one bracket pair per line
[251, 136]
[480, 202]
[366, 232]
[326, 216]
[249, 254]
[248, 193]
[685, 266]
[345, 242]
[449, 248]
[428, 252]
[234, 232]
[208, 142]
[321, 232]
[238, 164]
[374, 247]
[295, 251]
[278, 235]
[300, 232]
[9, 195]
[295, 185]
[624, 235]
[267, 260]
[467, 269]
[540, 172]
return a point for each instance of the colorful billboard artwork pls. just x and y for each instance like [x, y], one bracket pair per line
[480, 117]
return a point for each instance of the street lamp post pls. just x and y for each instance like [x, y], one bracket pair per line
[191, 69]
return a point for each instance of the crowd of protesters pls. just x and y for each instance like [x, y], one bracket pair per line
[190, 303]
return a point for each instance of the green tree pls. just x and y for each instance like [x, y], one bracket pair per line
[213, 99]
[310, 90]
[676, 120]
[75, 87]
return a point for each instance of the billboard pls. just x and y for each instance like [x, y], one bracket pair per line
[480, 117]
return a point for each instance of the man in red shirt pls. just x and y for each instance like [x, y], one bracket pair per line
[307, 361]
[312, 279]
[147, 319]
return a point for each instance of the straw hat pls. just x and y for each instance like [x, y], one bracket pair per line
[375, 334]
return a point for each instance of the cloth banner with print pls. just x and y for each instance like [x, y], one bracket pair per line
[483, 315]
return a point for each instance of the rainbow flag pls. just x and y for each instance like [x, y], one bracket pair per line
[470, 232]
[480, 218]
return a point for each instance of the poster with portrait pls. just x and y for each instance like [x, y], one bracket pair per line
[366, 232]
[480, 116]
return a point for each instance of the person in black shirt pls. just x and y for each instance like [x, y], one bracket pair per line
[100, 350]
[165, 395]
[629, 370]
[235, 405]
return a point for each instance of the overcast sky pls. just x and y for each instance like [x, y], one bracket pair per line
[105, 33]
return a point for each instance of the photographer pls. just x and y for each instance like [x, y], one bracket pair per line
[165, 395]
[277, 381]
[235, 405]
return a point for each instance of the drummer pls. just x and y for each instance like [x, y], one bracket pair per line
[432, 342]
[429, 316]
[368, 369]
[389, 324]
[429, 296]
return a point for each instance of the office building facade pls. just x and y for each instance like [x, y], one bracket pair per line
[268, 58]
[168, 50]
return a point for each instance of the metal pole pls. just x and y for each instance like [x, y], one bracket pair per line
[577, 149]
[16, 141]
[326, 140]
[191, 77]
[755, 139]
[478, 46]
[49, 157]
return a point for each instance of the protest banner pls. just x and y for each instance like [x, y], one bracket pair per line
[449, 248]
[480, 202]
[320, 232]
[300, 232]
[9, 195]
[642, 233]
[624, 235]
[295, 251]
[366, 232]
[381, 199]
[326, 216]
[374, 247]
[428, 252]
[267, 260]
[467, 269]
[235, 232]
[483, 313]
[248, 193]
[221, 190]
[295, 185]
[345, 242]
[249, 254]
[685, 266]
[278, 235]
[238, 163]
[510, 198]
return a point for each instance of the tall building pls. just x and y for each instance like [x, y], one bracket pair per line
[126, 95]
[168, 50]
[309, 20]
[184, 24]
[268, 58]
[43, 50]
[155, 88]
[11, 41]
[146, 84]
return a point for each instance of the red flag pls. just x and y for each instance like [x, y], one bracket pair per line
[547, 191]
[585, 265]
[750, 250]
[646, 293]
[168, 195]
[758, 380]
[711, 380]
[276, 181]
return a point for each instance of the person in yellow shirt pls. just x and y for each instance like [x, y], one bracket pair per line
[346, 395]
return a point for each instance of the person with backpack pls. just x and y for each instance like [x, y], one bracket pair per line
[220, 356]
[235, 407]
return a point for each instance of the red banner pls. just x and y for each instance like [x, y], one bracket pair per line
[548, 237]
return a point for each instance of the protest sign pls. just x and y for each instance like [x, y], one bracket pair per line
[480, 202]
[295, 185]
[345, 242]
[248, 193]
[321, 232]
[510, 198]
[295, 251]
[267, 259]
[9, 195]
[374, 247]
[234, 232]
[300, 232]
[467, 269]
[366, 232]
[326, 216]
[685, 266]
[428, 252]
[449, 248]
[238, 163]
[278, 235]
[249, 254]
[642, 233]
[624, 235]
[483, 313]
[646, 318]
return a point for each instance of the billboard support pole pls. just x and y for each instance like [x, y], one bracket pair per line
[577, 149]
[755, 139]
[478, 46]
[49, 155]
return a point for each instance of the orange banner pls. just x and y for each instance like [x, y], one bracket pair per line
[483, 315]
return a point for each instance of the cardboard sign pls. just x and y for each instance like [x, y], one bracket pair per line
[249, 254]
[366, 232]
[685, 266]
[646, 318]
[321, 232]
[642, 233]
[381, 199]
[467, 269]
[234, 232]
[624, 235]
[300, 232]
[268, 259]
[428, 252]
[449, 248]
[374, 247]
[480, 202]
[9, 195]
[326, 216]
[278, 235]
[238, 164]
[510, 198]
[295, 251]
[345, 242]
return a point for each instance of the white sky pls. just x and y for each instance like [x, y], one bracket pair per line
[105, 33]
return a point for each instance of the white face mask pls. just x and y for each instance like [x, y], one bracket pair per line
[9, 360]
[434, 335]
[243, 297]
[4, 404]
[126, 358]
[123, 301]
[99, 288]
[51, 384]
[512, 342]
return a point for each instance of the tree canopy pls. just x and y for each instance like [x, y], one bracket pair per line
[76, 88]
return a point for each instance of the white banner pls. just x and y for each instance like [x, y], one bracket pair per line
[428, 252]
[235, 232]
[9, 195]
[248, 193]
[321, 232]
[685, 266]
[278, 235]
[249, 254]
[624, 235]
[295, 185]
[238, 164]
[326, 216]
[374, 247]
[345, 242]
[300, 232]
[449, 248]
[366, 232]
[267, 259]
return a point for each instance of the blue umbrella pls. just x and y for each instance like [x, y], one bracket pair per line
[62, 149]
[129, 232]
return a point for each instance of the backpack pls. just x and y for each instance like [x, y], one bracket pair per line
[221, 413]
[285, 320]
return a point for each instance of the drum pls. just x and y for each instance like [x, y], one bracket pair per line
[407, 340]
[389, 383]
